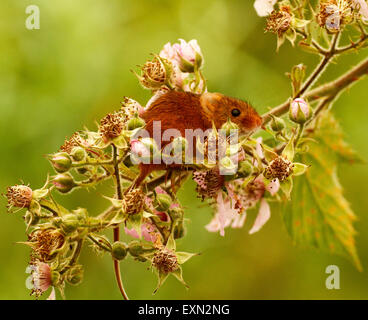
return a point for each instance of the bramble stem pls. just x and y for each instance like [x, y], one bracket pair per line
[117, 229]
[333, 88]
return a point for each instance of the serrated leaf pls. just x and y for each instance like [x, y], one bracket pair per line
[331, 134]
[319, 215]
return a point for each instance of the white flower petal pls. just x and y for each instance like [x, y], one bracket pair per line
[273, 186]
[264, 7]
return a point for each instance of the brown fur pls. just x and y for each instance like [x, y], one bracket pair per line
[185, 110]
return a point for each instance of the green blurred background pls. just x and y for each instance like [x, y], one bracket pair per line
[76, 68]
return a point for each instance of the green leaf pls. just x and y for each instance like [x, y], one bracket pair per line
[319, 215]
[332, 135]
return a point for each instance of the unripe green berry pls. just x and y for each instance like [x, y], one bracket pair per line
[277, 124]
[69, 223]
[119, 250]
[176, 213]
[135, 123]
[74, 275]
[135, 248]
[78, 154]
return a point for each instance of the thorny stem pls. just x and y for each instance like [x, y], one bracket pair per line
[329, 89]
[320, 68]
[117, 229]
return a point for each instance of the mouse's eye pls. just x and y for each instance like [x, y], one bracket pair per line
[235, 112]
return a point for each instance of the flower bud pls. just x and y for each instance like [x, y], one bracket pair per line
[78, 154]
[74, 275]
[61, 162]
[135, 123]
[163, 202]
[64, 182]
[69, 223]
[119, 250]
[189, 55]
[277, 124]
[229, 127]
[81, 214]
[176, 213]
[297, 77]
[300, 111]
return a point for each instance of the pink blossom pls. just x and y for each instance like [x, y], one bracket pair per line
[225, 216]
[273, 187]
[188, 51]
[264, 214]
[40, 279]
[148, 230]
[138, 148]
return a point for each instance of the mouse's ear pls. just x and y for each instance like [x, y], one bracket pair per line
[211, 100]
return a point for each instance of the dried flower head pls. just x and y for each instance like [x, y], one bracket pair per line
[156, 73]
[279, 21]
[279, 168]
[334, 13]
[112, 125]
[133, 201]
[209, 182]
[44, 242]
[19, 196]
[165, 261]
[74, 141]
